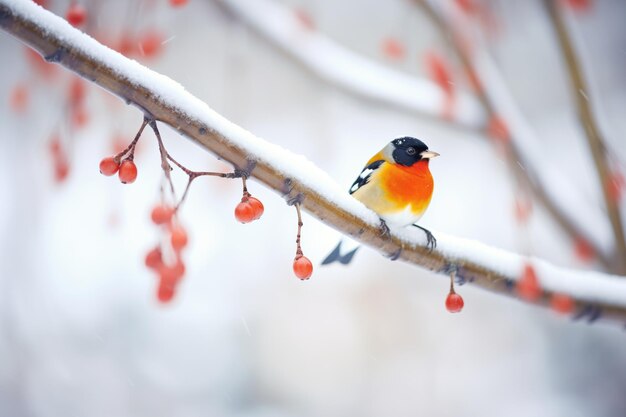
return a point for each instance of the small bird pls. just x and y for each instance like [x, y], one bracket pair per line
[397, 184]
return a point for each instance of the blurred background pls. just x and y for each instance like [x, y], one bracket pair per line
[82, 332]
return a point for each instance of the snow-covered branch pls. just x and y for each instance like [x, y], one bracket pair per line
[348, 70]
[595, 295]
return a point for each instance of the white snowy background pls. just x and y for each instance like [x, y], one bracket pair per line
[81, 332]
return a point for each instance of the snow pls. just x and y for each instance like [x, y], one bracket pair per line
[588, 286]
[346, 69]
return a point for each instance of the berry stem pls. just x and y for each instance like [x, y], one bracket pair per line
[130, 149]
[300, 224]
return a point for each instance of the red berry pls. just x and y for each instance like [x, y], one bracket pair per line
[439, 71]
[454, 302]
[109, 166]
[305, 19]
[583, 249]
[55, 145]
[562, 303]
[77, 91]
[165, 293]
[179, 238]
[19, 98]
[579, 6]
[161, 214]
[128, 172]
[178, 3]
[170, 274]
[150, 44]
[76, 15]
[154, 258]
[61, 169]
[245, 212]
[528, 286]
[498, 129]
[257, 206]
[393, 49]
[302, 267]
[80, 117]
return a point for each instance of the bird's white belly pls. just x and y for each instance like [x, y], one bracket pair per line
[402, 218]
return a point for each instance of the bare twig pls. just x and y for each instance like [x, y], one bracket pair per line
[233, 144]
[523, 172]
[580, 93]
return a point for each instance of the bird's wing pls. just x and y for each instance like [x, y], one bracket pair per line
[365, 175]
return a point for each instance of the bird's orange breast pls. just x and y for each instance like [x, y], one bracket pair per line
[408, 185]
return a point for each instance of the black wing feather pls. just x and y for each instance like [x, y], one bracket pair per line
[365, 175]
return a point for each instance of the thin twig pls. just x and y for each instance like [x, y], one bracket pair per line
[580, 92]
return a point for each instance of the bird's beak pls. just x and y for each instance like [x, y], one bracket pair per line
[429, 155]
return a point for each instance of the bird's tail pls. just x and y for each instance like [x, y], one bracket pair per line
[336, 256]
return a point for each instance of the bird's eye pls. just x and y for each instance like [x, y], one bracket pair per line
[411, 151]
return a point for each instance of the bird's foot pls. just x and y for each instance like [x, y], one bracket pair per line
[395, 255]
[431, 242]
[384, 229]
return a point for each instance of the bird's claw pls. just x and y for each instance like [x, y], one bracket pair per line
[431, 242]
[384, 229]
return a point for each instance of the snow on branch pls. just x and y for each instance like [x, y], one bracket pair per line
[348, 70]
[595, 295]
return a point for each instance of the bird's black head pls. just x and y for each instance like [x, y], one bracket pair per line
[407, 151]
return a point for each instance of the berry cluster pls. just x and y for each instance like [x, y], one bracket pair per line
[250, 208]
[169, 269]
[123, 163]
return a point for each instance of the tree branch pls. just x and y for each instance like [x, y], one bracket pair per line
[596, 295]
[518, 165]
[348, 70]
[579, 89]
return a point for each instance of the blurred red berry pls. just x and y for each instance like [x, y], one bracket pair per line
[497, 129]
[61, 169]
[583, 249]
[439, 71]
[128, 172]
[580, 6]
[304, 18]
[179, 238]
[562, 303]
[109, 166]
[523, 209]
[80, 117]
[55, 145]
[393, 48]
[454, 302]
[528, 286]
[150, 44]
[77, 91]
[302, 267]
[154, 258]
[615, 186]
[165, 292]
[76, 15]
[468, 6]
[19, 98]
[178, 3]
[161, 214]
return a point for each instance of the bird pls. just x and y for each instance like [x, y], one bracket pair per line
[396, 184]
